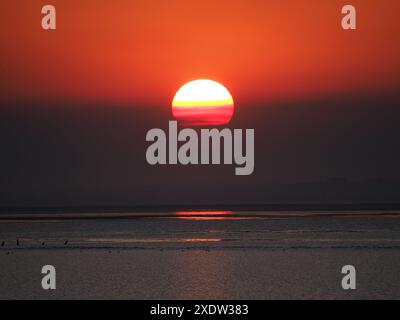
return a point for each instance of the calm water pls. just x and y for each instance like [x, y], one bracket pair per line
[205, 229]
[202, 255]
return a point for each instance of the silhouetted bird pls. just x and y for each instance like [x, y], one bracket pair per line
[65, 243]
[42, 243]
[17, 242]
[2, 244]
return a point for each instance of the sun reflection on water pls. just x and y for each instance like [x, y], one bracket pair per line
[204, 215]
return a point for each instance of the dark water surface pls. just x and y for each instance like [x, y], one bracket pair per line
[208, 229]
[202, 255]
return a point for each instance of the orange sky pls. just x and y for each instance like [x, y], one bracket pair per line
[140, 52]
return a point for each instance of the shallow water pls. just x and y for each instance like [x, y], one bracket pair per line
[202, 255]
[204, 229]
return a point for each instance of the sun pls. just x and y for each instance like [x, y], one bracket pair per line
[203, 103]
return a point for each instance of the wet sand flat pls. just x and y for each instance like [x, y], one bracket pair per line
[200, 274]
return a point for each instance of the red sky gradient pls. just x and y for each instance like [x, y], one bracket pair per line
[141, 52]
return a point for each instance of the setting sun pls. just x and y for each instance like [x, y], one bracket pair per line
[203, 102]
